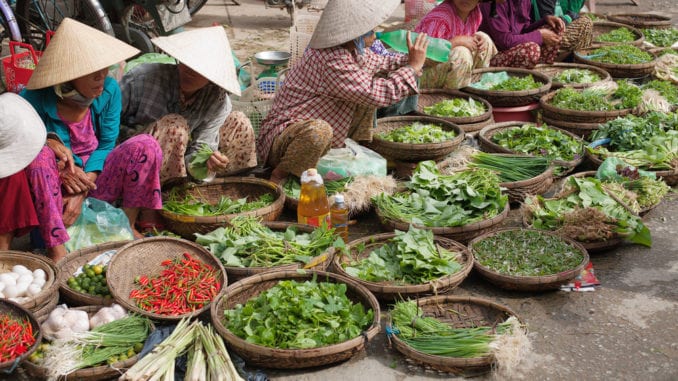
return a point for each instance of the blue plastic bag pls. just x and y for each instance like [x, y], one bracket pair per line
[98, 222]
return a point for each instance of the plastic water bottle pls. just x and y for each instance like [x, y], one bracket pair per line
[314, 206]
[438, 48]
[339, 213]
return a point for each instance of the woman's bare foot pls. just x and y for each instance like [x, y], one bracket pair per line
[57, 253]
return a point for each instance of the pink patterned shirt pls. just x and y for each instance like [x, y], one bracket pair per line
[83, 139]
[329, 84]
[443, 22]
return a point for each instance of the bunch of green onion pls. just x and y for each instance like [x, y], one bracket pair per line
[510, 168]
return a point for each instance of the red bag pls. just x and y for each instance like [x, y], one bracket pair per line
[18, 67]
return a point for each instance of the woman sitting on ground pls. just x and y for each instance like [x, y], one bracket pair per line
[457, 21]
[578, 30]
[80, 106]
[333, 91]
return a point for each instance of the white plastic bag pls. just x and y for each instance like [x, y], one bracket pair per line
[352, 160]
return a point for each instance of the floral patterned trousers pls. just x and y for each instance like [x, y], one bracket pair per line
[527, 55]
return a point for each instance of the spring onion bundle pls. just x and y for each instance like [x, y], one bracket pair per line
[510, 168]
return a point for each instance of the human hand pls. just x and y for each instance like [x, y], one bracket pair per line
[465, 41]
[217, 162]
[549, 37]
[481, 43]
[77, 181]
[417, 51]
[63, 154]
[72, 207]
[556, 23]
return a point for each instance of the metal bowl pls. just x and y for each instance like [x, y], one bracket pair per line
[272, 57]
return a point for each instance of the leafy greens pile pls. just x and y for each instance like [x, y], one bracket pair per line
[617, 35]
[299, 315]
[576, 76]
[661, 37]
[249, 243]
[456, 107]
[625, 96]
[539, 141]
[410, 257]
[418, 133]
[633, 132]
[434, 199]
[666, 88]
[192, 206]
[623, 54]
[517, 83]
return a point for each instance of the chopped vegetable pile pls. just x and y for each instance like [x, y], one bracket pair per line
[456, 107]
[516, 83]
[526, 253]
[302, 315]
[418, 133]
[410, 257]
[576, 76]
[617, 35]
[620, 54]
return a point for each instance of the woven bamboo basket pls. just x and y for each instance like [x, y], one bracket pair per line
[670, 177]
[94, 373]
[232, 187]
[388, 291]
[144, 257]
[581, 130]
[458, 312]
[529, 283]
[554, 113]
[642, 20]
[320, 262]
[518, 190]
[603, 27]
[639, 70]
[414, 152]
[510, 98]
[488, 145]
[590, 246]
[10, 258]
[75, 260]
[556, 68]
[258, 355]
[461, 234]
[17, 311]
[429, 97]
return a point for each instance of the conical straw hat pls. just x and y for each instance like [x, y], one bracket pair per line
[206, 51]
[344, 20]
[22, 134]
[76, 50]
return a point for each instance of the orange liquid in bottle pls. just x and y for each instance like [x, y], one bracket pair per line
[314, 206]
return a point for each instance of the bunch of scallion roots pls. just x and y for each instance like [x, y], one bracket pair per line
[506, 342]
[208, 359]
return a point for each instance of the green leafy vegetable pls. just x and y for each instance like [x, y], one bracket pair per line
[456, 107]
[418, 133]
[292, 187]
[633, 132]
[198, 164]
[617, 35]
[666, 88]
[661, 37]
[576, 76]
[620, 54]
[517, 83]
[192, 206]
[625, 96]
[539, 141]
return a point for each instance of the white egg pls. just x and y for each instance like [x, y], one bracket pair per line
[21, 269]
[11, 291]
[7, 278]
[21, 289]
[25, 278]
[39, 282]
[34, 290]
[39, 273]
[15, 275]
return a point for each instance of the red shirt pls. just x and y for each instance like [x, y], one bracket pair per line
[443, 22]
[329, 84]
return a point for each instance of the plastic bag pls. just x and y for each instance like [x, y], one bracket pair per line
[352, 160]
[488, 80]
[608, 170]
[98, 222]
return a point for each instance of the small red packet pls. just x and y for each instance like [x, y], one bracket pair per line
[585, 281]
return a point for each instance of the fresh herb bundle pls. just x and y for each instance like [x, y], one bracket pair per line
[661, 37]
[410, 257]
[539, 141]
[192, 206]
[516, 83]
[510, 168]
[623, 54]
[633, 132]
[246, 242]
[456, 107]
[576, 76]
[666, 88]
[617, 35]
[659, 153]
[625, 96]
[526, 253]
[418, 133]
[198, 164]
[303, 315]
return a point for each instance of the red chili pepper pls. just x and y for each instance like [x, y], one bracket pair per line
[16, 338]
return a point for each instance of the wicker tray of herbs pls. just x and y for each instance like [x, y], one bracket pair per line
[660, 38]
[621, 61]
[577, 76]
[527, 259]
[523, 86]
[613, 33]
[470, 112]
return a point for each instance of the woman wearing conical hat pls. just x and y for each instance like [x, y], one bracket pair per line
[80, 106]
[187, 105]
[331, 93]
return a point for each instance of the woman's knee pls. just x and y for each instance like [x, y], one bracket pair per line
[46, 159]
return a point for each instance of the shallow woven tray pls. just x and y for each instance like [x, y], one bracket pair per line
[320, 262]
[414, 152]
[556, 68]
[487, 145]
[510, 98]
[591, 246]
[143, 257]
[518, 190]
[75, 260]
[461, 234]
[602, 27]
[642, 20]
[429, 97]
[258, 355]
[234, 188]
[10, 258]
[618, 70]
[19, 312]
[578, 129]
[670, 177]
[94, 373]
[388, 291]
[529, 283]
[577, 116]
[459, 312]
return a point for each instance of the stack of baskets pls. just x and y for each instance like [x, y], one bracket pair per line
[41, 304]
[470, 124]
